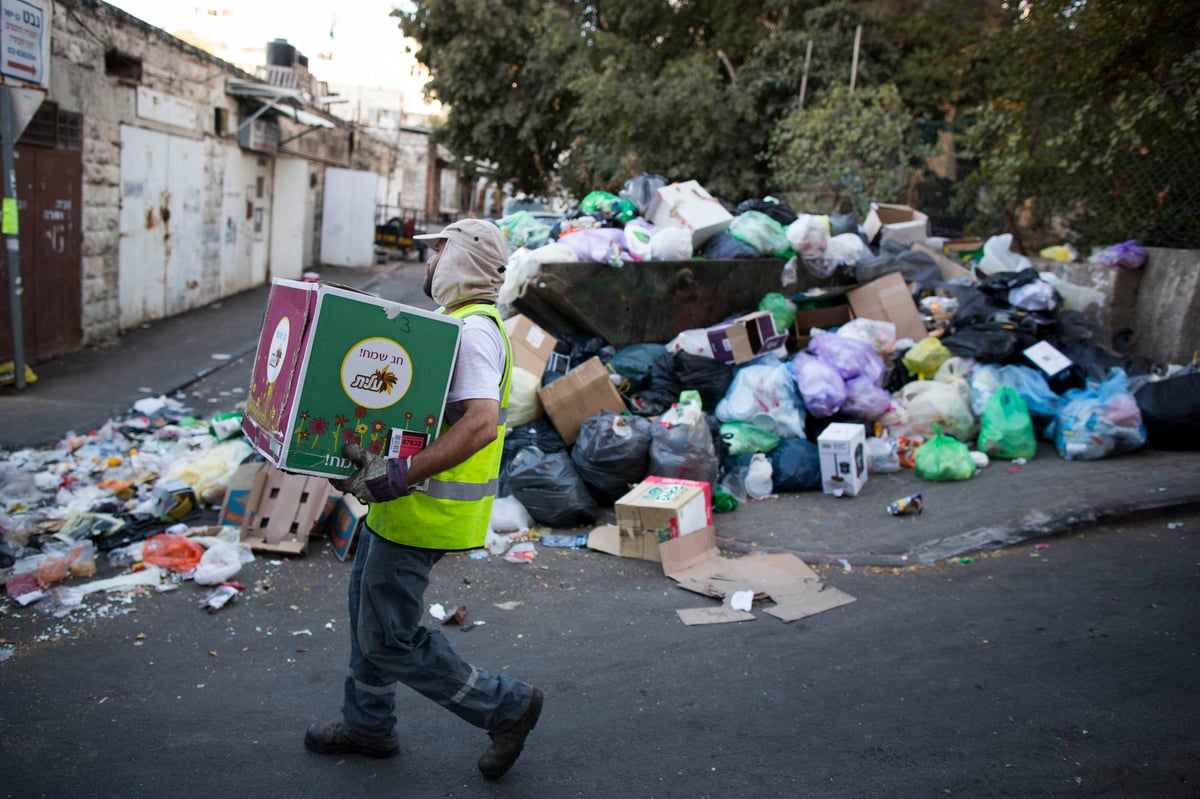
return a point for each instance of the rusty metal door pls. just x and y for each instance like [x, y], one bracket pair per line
[49, 189]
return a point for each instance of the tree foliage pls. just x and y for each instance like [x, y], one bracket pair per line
[845, 151]
[1093, 122]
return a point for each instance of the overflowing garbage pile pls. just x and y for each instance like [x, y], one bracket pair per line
[1000, 358]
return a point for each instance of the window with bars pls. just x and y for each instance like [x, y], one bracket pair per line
[53, 128]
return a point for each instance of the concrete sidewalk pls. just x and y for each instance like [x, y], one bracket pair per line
[1003, 504]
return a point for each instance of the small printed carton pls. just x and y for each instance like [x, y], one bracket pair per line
[745, 338]
[335, 366]
[689, 206]
[274, 511]
[900, 223]
[842, 450]
[532, 346]
[343, 521]
[578, 396]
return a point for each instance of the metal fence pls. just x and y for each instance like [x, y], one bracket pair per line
[1150, 194]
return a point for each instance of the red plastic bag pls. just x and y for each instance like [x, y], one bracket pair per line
[172, 551]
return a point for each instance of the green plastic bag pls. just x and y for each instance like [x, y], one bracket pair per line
[943, 459]
[761, 232]
[783, 310]
[608, 206]
[746, 437]
[1006, 428]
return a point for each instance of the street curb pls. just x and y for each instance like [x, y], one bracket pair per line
[1039, 524]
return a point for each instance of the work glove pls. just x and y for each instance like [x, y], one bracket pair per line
[377, 479]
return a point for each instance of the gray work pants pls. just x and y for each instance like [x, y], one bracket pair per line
[388, 645]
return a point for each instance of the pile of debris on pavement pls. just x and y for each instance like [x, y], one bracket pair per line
[879, 348]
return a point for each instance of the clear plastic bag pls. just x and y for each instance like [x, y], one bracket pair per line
[765, 394]
[1100, 420]
[923, 404]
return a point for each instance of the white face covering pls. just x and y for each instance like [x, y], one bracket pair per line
[468, 266]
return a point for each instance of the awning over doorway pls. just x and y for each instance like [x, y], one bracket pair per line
[278, 99]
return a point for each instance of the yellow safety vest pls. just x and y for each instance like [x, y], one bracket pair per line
[453, 510]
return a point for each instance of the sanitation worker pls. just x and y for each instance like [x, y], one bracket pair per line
[409, 530]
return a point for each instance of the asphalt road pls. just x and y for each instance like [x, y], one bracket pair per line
[1065, 668]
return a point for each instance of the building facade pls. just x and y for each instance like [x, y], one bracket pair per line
[156, 178]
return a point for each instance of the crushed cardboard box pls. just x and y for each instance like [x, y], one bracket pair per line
[274, 511]
[532, 346]
[745, 338]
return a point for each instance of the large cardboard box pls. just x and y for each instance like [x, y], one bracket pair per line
[842, 448]
[651, 512]
[889, 299]
[335, 365]
[579, 395]
[900, 223]
[532, 346]
[274, 511]
[745, 338]
[689, 206]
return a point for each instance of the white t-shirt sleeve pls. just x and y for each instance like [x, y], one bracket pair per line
[480, 362]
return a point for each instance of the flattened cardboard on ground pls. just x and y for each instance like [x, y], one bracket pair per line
[695, 563]
[889, 299]
[579, 395]
[275, 511]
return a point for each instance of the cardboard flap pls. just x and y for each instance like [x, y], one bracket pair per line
[889, 299]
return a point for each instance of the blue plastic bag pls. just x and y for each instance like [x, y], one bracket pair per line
[1099, 420]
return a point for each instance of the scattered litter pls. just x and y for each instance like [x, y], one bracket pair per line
[565, 541]
[1041, 546]
[964, 560]
[302, 632]
[1174, 525]
[219, 597]
[741, 600]
[5, 653]
[904, 506]
[512, 605]
[845, 565]
[521, 553]
[455, 615]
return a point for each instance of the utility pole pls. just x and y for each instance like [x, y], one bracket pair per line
[804, 77]
[854, 63]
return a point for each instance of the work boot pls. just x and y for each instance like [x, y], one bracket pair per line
[508, 742]
[331, 738]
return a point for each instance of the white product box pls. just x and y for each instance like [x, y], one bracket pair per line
[843, 451]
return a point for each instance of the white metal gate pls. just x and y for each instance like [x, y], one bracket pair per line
[161, 225]
[348, 218]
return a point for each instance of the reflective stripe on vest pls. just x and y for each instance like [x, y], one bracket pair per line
[453, 508]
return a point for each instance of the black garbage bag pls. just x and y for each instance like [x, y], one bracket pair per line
[780, 212]
[612, 454]
[684, 451]
[550, 488]
[538, 433]
[1086, 344]
[988, 342]
[672, 373]
[796, 465]
[973, 304]
[578, 347]
[634, 362]
[916, 266]
[1171, 412]
[726, 247]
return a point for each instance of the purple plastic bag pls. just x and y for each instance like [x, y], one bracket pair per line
[864, 399]
[821, 387]
[850, 356]
[1127, 254]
